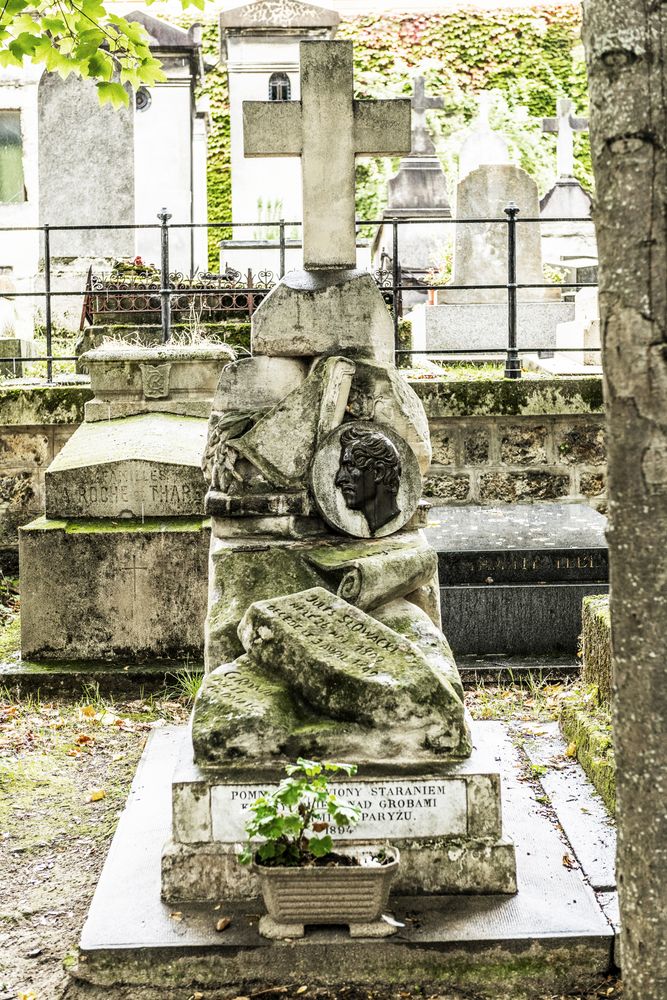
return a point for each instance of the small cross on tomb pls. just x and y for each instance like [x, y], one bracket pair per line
[327, 128]
[422, 143]
[564, 125]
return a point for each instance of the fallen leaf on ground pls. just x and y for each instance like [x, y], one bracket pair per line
[83, 738]
[223, 923]
[302, 989]
[567, 861]
[97, 795]
[88, 711]
[176, 915]
[571, 750]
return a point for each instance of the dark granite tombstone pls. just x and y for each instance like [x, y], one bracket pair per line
[512, 578]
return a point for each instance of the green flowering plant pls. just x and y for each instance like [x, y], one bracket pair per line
[293, 822]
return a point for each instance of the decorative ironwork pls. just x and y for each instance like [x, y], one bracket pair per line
[130, 291]
[384, 281]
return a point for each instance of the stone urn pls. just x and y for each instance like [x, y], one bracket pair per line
[355, 895]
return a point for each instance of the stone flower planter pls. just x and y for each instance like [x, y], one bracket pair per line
[355, 895]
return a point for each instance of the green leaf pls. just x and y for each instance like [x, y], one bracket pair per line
[100, 66]
[319, 846]
[112, 93]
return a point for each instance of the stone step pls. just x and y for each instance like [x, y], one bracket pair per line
[513, 577]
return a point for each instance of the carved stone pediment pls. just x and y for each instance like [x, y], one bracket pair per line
[279, 14]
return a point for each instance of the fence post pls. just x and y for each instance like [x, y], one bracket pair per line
[395, 278]
[47, 310]
[165, 299]
[282, 249]
[512, 363]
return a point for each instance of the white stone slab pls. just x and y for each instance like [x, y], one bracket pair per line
[392, 808]
[483, 326]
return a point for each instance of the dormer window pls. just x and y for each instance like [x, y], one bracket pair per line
[279, 87]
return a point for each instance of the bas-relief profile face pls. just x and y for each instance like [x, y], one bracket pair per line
[369, 475]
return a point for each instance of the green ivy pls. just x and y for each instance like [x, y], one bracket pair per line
[530, 57]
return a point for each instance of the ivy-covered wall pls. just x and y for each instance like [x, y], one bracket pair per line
[529, 56]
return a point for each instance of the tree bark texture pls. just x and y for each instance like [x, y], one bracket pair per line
[626, 47]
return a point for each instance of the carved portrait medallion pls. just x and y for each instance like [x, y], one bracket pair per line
[365, 480]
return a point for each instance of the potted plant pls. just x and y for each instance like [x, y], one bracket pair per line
[303, 876]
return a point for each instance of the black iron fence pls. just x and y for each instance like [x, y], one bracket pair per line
[161, 295]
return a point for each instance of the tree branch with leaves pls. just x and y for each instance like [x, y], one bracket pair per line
[82, 38]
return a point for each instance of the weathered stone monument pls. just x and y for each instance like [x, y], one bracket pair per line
[476, 318]
[323, 630]
[323, 639]
[417, 191]
[569, 243]
[116, 569]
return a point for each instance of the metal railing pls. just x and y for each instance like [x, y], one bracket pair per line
[390, 282]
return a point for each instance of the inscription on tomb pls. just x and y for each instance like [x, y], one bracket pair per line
[391, 808]
[130, 489]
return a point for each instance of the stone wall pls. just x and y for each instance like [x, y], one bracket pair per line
[521, 442]
[494, 441]
[35, 423]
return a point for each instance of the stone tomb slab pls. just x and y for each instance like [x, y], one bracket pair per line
[552, 936]
[142, 466]
[103, 590]
[444, 817]
[512, 578]
[346, 665]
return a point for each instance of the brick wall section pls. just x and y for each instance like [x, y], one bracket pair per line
[537, 440]
[494, 441]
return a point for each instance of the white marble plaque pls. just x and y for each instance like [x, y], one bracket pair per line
[392, 808]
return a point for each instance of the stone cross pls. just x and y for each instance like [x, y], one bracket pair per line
[422, 143]
[327, 128]
[564, 125]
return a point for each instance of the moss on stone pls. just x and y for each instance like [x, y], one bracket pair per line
[108, 526]
[596, 644]
[43, 404]
[509, 397]
[586, 724]
[10, 638]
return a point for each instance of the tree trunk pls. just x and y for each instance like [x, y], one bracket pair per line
[626, 46]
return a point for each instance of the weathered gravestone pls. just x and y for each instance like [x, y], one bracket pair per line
[116, 569]
[323, 630]
[476, 318]
[417, 191]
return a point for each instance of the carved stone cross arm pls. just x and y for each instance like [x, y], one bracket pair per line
[564, 125]
[327, 128]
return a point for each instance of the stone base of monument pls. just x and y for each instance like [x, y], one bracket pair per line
[552, 936]
[512, 578]
[482, 326]
[108, 589]
[15, 347]
[445, 820]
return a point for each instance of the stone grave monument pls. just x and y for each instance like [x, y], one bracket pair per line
[565, 243]
[417, 191]
[323, 639]
[476, 318]
[323, 629]
[116, 569]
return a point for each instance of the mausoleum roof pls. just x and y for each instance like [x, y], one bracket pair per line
[166, 36]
